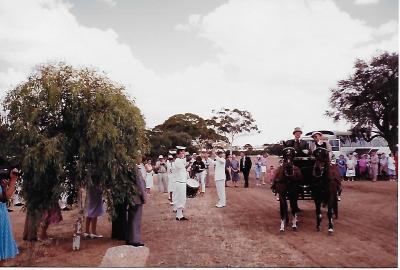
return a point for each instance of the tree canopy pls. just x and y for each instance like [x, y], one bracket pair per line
[187, 129]
[66, 122]
[232, 122]
[368, 99]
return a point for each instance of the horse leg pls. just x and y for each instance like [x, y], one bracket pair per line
[293, 208]
[283, 211]
[336, 208]
[330, 218]
[317, 202]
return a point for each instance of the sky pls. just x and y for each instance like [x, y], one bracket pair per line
[278, 59]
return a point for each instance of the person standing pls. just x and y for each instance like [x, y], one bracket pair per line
[351, 167]
[245, 167]
[207, 161]
[8, 246]
[220, 176]
[149, 176]
[198, 168]
[383, 166]
[362, 167]
[134, 222]
[161, 168]
[170, 177]
[391, 168]
[264, 167]
[93, 207]
[227, 169]
[271, 174]
[235, 171]
[374, 163]
[258, 170]
[341, 163]
[179, 169]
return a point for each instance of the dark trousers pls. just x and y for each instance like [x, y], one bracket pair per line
[119, 223]
[246, 179]
[134, 224]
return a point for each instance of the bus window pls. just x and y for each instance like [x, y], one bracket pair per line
[335, 144]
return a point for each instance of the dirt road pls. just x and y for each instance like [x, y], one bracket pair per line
[245, 233]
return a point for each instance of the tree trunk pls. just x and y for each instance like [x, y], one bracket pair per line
[30, 227]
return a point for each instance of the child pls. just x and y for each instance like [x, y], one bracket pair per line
[258, 170]
[271, 174]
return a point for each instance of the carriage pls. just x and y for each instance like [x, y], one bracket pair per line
[305, 164]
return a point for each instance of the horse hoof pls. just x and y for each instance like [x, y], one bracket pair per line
[294, 228]
[330, 231]
[282, 230]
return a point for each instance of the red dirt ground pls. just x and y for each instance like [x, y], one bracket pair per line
[243, 234]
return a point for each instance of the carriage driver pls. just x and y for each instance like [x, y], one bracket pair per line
[320, 142]
[298, 144]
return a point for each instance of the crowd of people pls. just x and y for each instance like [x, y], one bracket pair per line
[371, 166]
[173, 173]
[175, 170]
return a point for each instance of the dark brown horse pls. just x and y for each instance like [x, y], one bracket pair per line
[286, 185]
[325, 185]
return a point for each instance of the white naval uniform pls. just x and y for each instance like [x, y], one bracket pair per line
[203, 176]
[220, 178]
[170, 176]
[179, 170]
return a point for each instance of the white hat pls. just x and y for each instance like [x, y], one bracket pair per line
[203, 150]
[170, 156]
[258, 156]
[187, 153]
[180, 147]
[172, 152]
[160, 156]
[315, 133]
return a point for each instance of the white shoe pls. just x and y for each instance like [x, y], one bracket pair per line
[92, 235]
[86, 234]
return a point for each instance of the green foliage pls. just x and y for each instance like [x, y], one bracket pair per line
[368, 99]
[189, 130]
[232, 122]
[66, 122]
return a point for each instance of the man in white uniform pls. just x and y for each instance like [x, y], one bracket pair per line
[170, 161]
[203, 178]
[179, 170]
[220, 178]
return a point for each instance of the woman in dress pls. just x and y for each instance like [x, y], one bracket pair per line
[235, 170]
[341, 163]
[149, 176]
[362, 166]
[94, 209]
[351, 168]
[8, 246]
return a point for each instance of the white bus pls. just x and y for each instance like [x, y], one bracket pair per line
[342, 143]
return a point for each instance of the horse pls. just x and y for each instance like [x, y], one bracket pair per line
[286, 185]
[324, 187]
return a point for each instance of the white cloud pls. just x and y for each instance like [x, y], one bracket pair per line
[109, 2]
[276, 59]
[366, 2]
